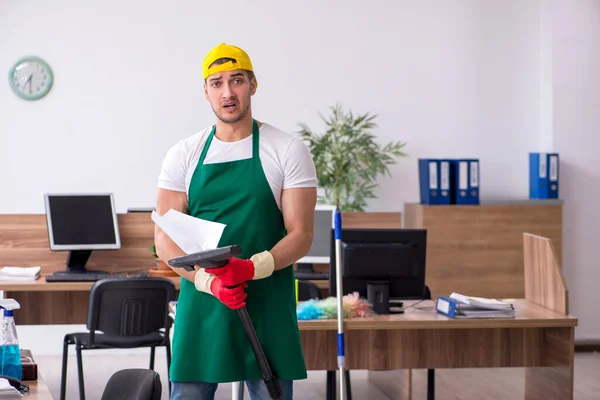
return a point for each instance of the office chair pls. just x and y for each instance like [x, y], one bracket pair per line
[309, 290]
[129, 313]
[133, 384]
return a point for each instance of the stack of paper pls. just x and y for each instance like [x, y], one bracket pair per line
[189, 233]
[461, 306]
[19, 273]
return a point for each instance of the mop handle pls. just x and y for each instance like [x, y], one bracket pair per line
[340, 300]
[269, 378]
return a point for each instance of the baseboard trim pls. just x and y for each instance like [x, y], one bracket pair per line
[587, 345]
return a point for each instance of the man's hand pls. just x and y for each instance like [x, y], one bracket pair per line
[237, 270]
[233, 298]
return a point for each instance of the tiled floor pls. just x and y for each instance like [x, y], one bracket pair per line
[467, 384]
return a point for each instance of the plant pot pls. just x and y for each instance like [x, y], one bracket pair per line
[162, 269]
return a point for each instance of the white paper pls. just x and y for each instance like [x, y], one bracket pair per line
[191, 234]
[7, 391]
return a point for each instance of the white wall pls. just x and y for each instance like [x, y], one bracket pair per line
[453, 79]
[450, 78]
[576, 137]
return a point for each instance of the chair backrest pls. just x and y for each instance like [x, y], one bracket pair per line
[308, 290]
[130, 306]
[133, 384]
[427, 294]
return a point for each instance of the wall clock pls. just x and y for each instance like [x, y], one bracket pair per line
[30, 78]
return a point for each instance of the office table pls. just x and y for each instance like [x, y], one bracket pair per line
[40, 285]
[47, 303]
[37, 390]
[538, 338]
[44, 303]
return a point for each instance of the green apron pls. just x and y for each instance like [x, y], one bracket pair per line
[209, 341]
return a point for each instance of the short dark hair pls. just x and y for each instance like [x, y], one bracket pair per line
[223, 60]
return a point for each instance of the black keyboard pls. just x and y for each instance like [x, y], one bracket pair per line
[87, 277]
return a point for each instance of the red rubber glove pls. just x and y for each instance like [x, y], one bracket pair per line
[236, 271]
[233, 298]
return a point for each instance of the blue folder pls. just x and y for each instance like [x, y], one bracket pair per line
[447, 306]
[543, 175]
[434, 181]
[455, 309]
[465, 181]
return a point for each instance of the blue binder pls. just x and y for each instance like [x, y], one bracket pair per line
[543, 175]
[456, 309]
[434, 181]
[445, 182]
[465, 181]
[446, 306]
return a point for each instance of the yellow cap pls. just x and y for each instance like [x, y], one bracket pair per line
[225, 51]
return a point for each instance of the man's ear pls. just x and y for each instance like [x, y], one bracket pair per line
[253, 85]
[205, 91]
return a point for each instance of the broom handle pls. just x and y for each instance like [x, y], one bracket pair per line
[340, 302]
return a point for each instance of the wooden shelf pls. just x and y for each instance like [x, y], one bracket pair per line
[478, 250]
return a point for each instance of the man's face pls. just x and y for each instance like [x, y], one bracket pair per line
[229, 94]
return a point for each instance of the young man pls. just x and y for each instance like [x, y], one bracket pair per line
[260, 182]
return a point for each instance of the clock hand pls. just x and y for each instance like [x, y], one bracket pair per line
[28, 81]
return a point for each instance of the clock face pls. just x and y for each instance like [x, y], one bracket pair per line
[30, 78]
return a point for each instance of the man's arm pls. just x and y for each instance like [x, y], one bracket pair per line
[298, 208]
[165, 247]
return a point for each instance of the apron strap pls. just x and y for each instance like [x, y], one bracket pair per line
[207, 145]
[255, 141]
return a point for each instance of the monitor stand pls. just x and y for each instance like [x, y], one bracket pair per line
[305, 271]
[77, 260]
[378, 296]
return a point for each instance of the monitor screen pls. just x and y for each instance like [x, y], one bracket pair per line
[324, 222]
[394, 256]
[82, 222]
[384, 260]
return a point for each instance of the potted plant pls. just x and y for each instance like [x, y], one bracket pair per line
[162, 269]
[348, 159]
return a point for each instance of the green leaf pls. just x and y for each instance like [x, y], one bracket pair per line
[152, 249]
[348, 158]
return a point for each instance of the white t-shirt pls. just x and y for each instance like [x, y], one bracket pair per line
[285, 159]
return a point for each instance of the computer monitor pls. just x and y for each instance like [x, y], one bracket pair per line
[319, 251]
[395, 257]
[81, 223]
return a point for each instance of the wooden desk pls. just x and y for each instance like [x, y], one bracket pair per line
[24, 242]
[37, 390]
[45, 303]
[40, 285]
[538, 338]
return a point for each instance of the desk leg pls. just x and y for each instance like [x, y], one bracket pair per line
[237, 390]
[395, 384]
[554, 380]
